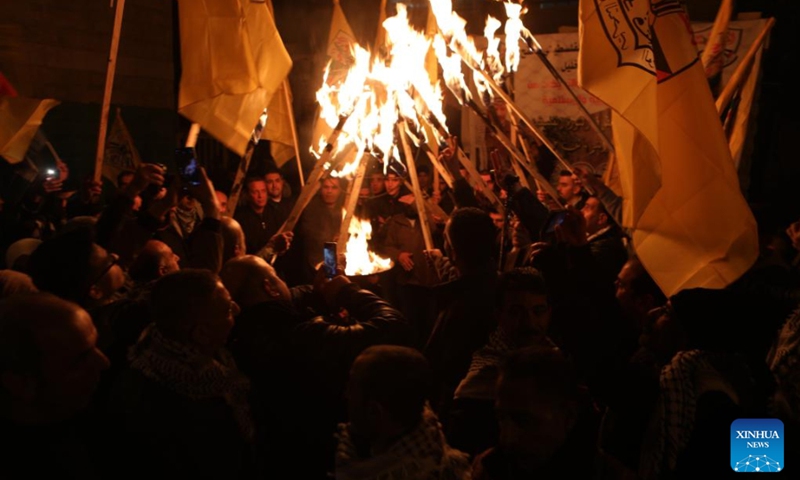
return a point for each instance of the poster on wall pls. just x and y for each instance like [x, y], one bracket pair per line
[553, 108]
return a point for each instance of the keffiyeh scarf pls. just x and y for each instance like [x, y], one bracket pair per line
[784, 362]
[422, 454]
[674, 414]
[186, 372]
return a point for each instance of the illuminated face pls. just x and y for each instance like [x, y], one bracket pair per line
[274, 183]
[566, 187]
[392, 184]
[593, 213]
[330, 191]
[497, 219]
[488, 179]
[376, 186]
[219, 319]
[257, 194]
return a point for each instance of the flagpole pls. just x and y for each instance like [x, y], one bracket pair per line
[112, 66]
[514, 109]
[244, 166]
[294, 131]
[312, 185]
[739, 75]
[477, 182]
[191, 138]
[418, 199]
[352, 200]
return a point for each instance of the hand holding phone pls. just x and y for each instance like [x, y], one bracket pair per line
[329, 259]
[556, 219]
[188, 166]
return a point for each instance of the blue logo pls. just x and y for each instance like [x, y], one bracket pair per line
[757, 445]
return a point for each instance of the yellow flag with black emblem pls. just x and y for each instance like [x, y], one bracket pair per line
[690, 224]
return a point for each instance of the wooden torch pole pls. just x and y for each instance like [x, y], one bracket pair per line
[288, 101]
[352, 200]
[112, 67]
[418, 198]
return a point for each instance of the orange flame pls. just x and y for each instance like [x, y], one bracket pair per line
[358, 259]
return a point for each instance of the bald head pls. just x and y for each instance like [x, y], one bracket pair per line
[251, 280]
[153, 261]
[49, 361]
[233, 243]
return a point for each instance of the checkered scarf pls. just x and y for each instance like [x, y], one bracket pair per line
[493, 353]
[185, 371]
[674, 416]
[784, 362]
[422, 454]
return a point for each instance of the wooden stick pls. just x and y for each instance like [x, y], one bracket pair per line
[440, 170]
[476, 180]
[112, 67]
[238, 181]
[191, 138]
[352, 200]
[420, 201]
[739, 75]
[513, 108]
[434, 209]
[506, 142]
[312, 185]
[515, 139]
[436, 179]
[554, 72]
[294, 131]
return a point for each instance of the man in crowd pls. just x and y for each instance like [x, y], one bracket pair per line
[392, 431]
[49, 369]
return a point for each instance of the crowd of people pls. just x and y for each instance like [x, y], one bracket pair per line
[153, 335]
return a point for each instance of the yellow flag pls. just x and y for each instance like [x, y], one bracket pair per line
[696, 230]
[233, 61]
[280, 127]
[713, 52]
[611, 175]
[20, 118]
[340, 44]
[121, 153]
[738, 121]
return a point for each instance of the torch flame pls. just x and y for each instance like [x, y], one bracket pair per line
[514, 28]
[358, 259]
[493, 48]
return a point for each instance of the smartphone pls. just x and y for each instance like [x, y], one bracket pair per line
[188, 166]
[52, 173]
[329, 259]
[556, 219]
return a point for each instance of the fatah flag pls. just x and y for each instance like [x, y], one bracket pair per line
[713, 53]
[20, 119]
[340, 54]
[121, 153]
[233, 61]
[690, 223]
[279, 129]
